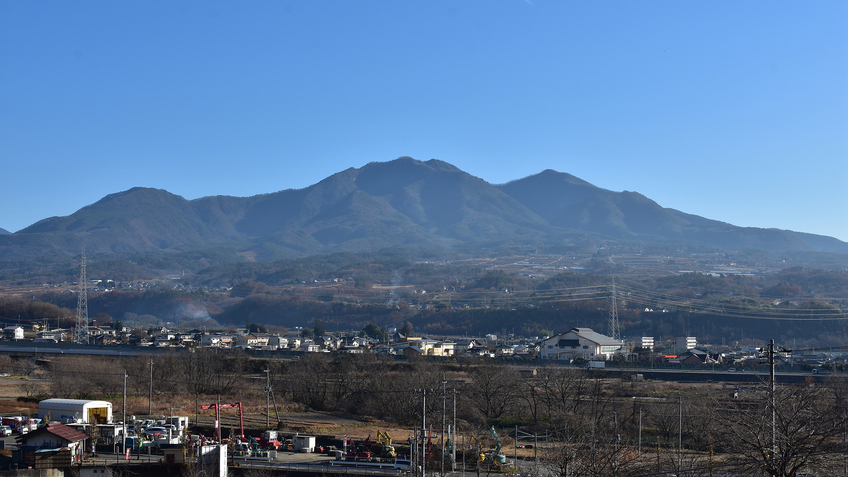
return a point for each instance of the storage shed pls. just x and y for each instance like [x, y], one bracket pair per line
[304, 443]
[75, 411]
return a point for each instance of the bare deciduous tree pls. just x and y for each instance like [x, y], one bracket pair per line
[494, 389]
[794, 438]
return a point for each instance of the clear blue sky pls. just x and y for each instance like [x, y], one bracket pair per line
[735, 111]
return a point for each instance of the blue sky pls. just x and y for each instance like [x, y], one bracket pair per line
[735, 111]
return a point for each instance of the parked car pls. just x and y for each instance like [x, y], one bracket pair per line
[5, 431]
[152, 431]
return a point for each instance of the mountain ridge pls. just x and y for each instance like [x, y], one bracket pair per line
[386, 204]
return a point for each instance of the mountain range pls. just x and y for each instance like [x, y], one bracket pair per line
[385, 204]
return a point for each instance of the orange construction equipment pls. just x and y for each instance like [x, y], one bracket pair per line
[218, 417]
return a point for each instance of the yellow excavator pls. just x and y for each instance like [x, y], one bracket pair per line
[387, 450]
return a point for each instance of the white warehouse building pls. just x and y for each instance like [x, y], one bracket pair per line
[580, 343]
[78, 411]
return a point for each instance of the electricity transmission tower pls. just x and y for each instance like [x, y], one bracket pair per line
[614, 328]
[81, 332]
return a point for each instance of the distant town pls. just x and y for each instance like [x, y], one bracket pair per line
[578, 346]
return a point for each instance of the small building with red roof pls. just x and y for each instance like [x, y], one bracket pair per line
[54, 439]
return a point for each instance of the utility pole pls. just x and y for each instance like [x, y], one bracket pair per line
[640, 431]
[124, 433]
[150, 392]
[268, 397]
[444, 398]
[453, 436]
[615, 437]
[679, 431]
[770, 351]
[771, 396]
[423, 431]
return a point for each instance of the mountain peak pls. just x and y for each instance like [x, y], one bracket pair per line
[442, 165]
[384, 204]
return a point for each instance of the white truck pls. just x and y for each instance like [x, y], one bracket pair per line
[596, 365]
[180, 422]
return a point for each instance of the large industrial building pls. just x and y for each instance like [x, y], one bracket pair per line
[77, 411]
[580, 343]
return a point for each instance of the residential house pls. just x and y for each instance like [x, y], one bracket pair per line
[50, 336]
[329, 342]
[186, 339]
[103, 339]
[432, 347]
[310, 347]
[277, 341]
[54, 436]
[504, 350]
[696, 356]
[253, 340]
[411, 351]
[216, 340]
[351, 350]
[14, 332]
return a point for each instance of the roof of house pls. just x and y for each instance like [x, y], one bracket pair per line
[594, 337]
[57, 429]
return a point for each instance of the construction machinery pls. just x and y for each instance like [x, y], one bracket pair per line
[218, 408]
[495, 457]
[255, 449]
[359, 452]
[384, 448]
[268, 440]
[491, 458]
